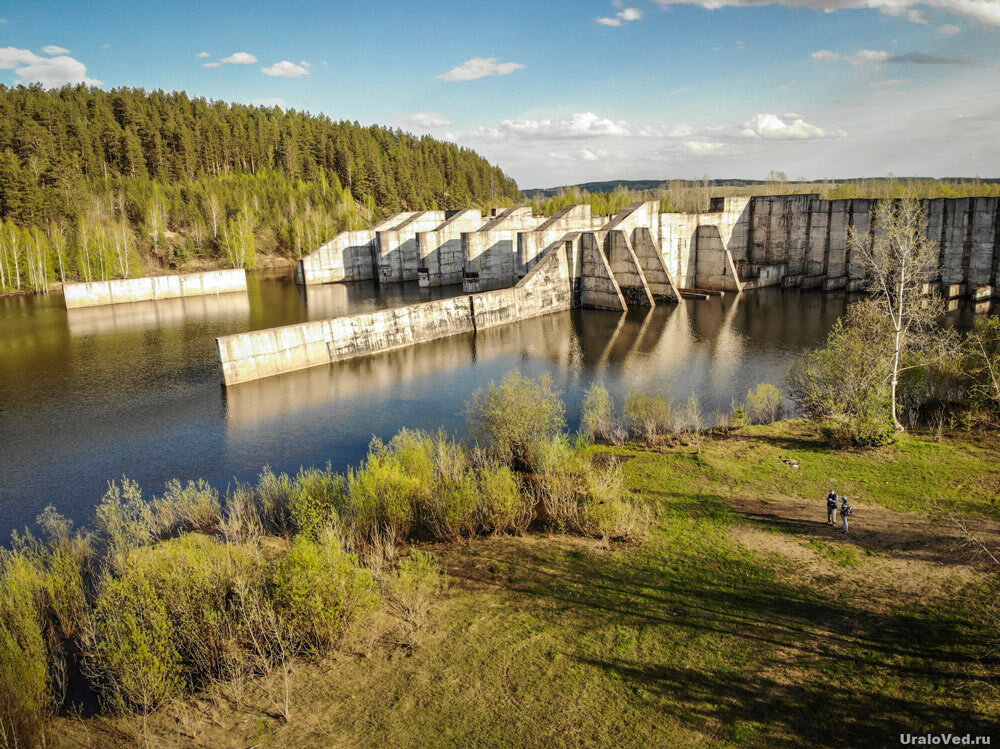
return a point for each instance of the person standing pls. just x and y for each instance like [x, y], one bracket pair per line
[845, 512]
[831, 507]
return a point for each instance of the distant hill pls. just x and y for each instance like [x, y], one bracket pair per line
[652, 184]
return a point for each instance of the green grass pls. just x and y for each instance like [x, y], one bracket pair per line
[690, 638]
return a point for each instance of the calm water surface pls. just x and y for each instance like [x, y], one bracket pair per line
[89, 395]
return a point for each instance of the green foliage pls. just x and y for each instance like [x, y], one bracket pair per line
[191, 507]
[649, 416]
[764, 404]
[314, 499]
[515, 417]
[413, 585]
[123, 520]
[90, 180]
[503, 506]
[320, 591]
[597, 420]
[980, 363]
[132, 655]
[25, 701]
[846, 382]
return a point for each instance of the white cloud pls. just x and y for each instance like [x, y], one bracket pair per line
[52, 49]
[705, 147]
[211, 64]
[240, 58]
[773, 127]
[879, 57]
[479, 67]
[890, 82]
[626, 14]
[202, 54]
[579, 125]
[426, 120]
[305, 64]
[269, 101]
[949, 29]
[285, 69]
[580, 154]
[51, 72]
[4, 20]
[983, 11]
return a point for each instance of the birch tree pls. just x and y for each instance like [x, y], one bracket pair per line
[898, 259]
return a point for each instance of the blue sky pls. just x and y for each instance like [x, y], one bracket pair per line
[563, 92]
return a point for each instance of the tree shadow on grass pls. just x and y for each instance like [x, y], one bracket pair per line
[815, 669]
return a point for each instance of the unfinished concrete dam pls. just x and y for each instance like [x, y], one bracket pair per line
[514, 265]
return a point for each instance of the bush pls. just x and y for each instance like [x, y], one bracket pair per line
[597, 420]
[412, 586]
[320, 592]
[132, 657]
[382, 496]
[764, 404]
[687, 418]
[25, 701]
[586, 498]
[272, 495]
[242, 519]
[503, 506]
[515, 417]
[194, 577]
[314, 499]
[124, 521]
[191, 507]
[649, 416]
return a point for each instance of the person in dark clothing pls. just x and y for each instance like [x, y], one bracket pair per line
[831, 507]
[845, 512]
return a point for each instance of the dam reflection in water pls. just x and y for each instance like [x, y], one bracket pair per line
[91, 394]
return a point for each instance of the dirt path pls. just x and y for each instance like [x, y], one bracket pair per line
[906, 555]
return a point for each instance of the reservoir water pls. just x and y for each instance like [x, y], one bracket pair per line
[89, 395]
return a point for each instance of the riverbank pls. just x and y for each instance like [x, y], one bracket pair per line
[742, 619]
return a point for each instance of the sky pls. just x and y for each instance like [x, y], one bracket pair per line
[569, 91]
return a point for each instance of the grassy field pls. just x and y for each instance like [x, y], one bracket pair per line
[742, 620]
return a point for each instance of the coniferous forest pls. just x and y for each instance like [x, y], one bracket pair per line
[109, 184]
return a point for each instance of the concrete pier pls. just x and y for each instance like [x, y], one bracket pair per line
[96, 293]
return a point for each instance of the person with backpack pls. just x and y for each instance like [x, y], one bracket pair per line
[845, 512]
[831, 507]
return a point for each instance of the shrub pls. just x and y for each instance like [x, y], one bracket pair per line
[124, 521]
[649, 416]
[606, 511]
[503, 506]
[272, 495]
[314, 499]
[25, 701]
[411, 587]
[556, 479]
[132, 655]
[320, 592]
[195, 576]
[687, 418]
[764, 404]
[241, 519]
[597, 420]
[738, 416]
[187, 507]
[450, 510]
[382, 496]
[515, 417]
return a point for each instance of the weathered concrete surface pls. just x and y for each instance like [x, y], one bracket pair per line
[349, 256]
[626, 269]
[654, 268]
[491, 252]
[441, 258]
[532, 244]
[396, 253]
[96, 293]
[570, 269]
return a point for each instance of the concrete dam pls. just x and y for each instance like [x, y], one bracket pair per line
[514, 265]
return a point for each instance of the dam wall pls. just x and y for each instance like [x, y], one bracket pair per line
[397, 256]
[490, 254]
[349, 256]
[441, 258]
[548, 287]
[96, 293]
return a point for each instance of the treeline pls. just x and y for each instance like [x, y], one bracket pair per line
[160, 179]
[164, 596]
[688, 196]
